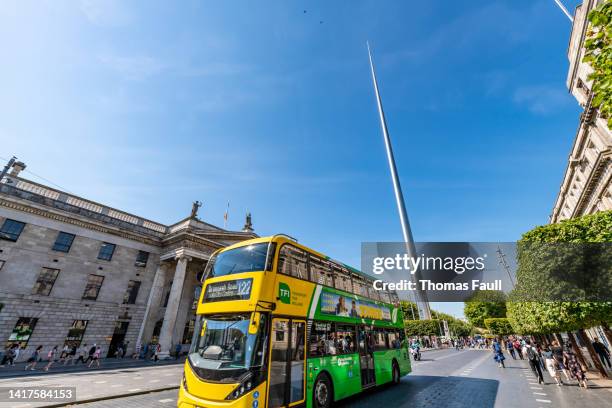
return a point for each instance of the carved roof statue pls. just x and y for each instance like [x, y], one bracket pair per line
[194, 209]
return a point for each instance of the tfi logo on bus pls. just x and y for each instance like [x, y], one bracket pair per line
[284, 293]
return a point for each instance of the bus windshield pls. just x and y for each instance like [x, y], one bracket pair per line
[242, 259]
[223, 350]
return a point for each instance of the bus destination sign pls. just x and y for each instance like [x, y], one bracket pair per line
[239, 289]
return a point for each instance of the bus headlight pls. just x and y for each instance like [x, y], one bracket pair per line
[240, 390]
[185, 383]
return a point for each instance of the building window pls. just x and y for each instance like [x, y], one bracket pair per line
[92, 289]
[45, 281]
[23, 331]
[142, 258]
[131, 293]
[188, 331]
[11, 230]
[63, 242]
[76, 333]
[106, 251]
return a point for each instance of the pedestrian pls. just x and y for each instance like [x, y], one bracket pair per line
[34, 359]
[603, 352]
[82, 353]
[17, 352]
[92, 350]
[573, 366]
[498, 354]
[95, 357]
[517, 348]
[557, 351]
[51, 357]
[64, 354]
[156, 352]
[9, 356]
[551, 366]
[125, 347]
[534, 361]
[510, 349]
[119, 352]
[71, 355]
[177, 350]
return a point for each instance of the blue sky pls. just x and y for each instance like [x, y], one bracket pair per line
[147, 106]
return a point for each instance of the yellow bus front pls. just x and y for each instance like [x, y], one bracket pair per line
[226, 363]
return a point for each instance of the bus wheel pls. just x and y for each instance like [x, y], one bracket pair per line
[322, 392]
[395, 374]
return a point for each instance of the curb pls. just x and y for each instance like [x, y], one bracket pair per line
[110, 397]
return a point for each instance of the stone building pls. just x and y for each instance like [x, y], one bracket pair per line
[78, 272]
[587, 184]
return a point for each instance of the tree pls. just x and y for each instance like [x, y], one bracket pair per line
[410, 310]
[545, 269]
[422, 327]
[500, 326]
[598, 53]
[485, 304]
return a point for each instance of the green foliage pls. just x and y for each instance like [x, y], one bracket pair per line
[422, 327]
[457, 327]
[500, 326]
[546, 317]
[409, 310]
[483, 305]
[598, 53]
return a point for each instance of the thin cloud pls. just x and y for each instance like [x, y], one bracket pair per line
[542, 99]
[105, 12]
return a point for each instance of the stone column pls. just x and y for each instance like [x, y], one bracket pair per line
[165, 336]
[155, 296]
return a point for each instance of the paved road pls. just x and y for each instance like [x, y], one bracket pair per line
[444, 378]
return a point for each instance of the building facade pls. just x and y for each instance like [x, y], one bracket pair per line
[73, 271]
[587, 184]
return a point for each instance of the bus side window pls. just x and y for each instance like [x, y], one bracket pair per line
[292, 262]
[342, 279]
[323, 340]
[346, 338]
[393, 339]
[320, 271]
[380, 340]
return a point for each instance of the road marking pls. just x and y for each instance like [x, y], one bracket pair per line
[534, 384]
[116, 385]
[134, 390]
[99, 382]
[152, 381]
[540, 393]
[169, 374]
[163, 401]
[541, 400]
[536, 388]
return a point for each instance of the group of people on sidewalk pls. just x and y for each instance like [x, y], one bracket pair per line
[554, 359]
[68, 354]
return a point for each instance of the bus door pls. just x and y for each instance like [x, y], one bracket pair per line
[366, 356]
[286, 386]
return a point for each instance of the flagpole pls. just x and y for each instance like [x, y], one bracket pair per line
[421, 300]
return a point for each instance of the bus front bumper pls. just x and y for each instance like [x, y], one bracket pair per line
[253, 399]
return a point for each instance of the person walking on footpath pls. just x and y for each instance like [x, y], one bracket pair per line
[534, 361]
[92, 350]
[510, 349]
[34, 359]
[95, 358]
[156, 352]
[10, 356]
[603, 352]
[575, 369]
[557, 351]
[71, 355]
[551, 366]
[82, 352]
[517, 348]
[51, 357]
[498, 354]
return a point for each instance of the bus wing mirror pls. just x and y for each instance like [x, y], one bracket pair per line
[255, 317]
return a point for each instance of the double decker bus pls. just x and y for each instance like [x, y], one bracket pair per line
[281, 325]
